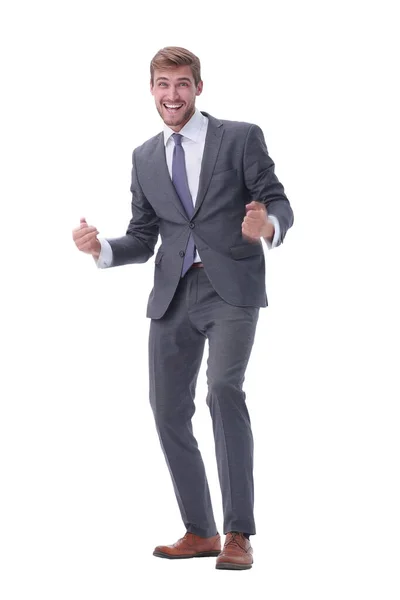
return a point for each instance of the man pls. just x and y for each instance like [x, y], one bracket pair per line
[208, 188]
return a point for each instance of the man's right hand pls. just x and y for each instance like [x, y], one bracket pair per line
[85, 239]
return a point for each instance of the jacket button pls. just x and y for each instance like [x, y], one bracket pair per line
[191, 225]
[181, 253]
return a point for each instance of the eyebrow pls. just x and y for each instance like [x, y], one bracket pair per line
[179, 79]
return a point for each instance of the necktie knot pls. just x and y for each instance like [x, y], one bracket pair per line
[177, 139]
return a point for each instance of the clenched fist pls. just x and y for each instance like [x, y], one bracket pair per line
[256, 225]
[85, 239]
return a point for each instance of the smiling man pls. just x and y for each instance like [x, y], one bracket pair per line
[207, 186]
[175, 95]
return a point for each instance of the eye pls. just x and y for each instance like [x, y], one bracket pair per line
[184, 83]
[162, 84]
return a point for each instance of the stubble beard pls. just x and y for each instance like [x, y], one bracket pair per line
[170, 120]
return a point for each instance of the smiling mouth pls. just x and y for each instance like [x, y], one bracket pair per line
[172, 108]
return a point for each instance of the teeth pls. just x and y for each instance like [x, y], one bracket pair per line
[173, 105]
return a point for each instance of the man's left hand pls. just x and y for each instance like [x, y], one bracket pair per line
[255, 224]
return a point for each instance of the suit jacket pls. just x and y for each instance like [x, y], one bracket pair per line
[235, 170]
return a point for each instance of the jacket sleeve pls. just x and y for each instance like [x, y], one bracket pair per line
[137, 245]
[262, 183]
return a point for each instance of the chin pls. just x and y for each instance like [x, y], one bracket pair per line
[171, 122]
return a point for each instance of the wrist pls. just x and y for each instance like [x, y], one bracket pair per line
[268, 231]
[96, 251]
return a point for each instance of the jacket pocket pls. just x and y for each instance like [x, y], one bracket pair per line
[225, 173]
[246, 250]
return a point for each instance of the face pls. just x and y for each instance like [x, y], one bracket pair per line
[175, 94]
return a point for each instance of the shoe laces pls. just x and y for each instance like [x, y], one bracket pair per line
[183, 539]
[236, 536]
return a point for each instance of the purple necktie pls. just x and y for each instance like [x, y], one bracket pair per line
[179, 179]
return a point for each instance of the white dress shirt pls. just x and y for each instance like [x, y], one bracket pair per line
[193, 140]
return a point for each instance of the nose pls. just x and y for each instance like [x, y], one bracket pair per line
[174, 94]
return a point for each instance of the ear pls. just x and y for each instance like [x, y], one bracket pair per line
[199, 88]
[151, 88]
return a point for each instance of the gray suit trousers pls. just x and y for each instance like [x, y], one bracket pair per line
[176, 346]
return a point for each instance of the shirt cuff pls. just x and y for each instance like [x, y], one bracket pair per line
[106, 255]
[272, 219]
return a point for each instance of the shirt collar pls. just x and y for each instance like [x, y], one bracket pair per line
[191, 130]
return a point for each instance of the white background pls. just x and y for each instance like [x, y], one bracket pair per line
[85, 493]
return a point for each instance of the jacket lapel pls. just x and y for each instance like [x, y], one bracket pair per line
[212, 145]
[159, 169]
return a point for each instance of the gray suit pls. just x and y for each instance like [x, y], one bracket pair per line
[219, 302]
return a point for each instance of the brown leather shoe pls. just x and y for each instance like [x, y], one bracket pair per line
[237, 553]
[191, 546]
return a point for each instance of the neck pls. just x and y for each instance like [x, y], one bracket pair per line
[177, 128]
